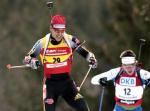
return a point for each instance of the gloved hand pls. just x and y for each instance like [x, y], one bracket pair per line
[91, 59]
[35, 64]
[93, 62]
[103, 81]
[27, 59]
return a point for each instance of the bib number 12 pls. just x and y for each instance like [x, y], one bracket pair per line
[127, 91]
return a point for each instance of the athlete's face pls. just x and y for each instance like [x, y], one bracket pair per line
[129, 68]
[58, 33]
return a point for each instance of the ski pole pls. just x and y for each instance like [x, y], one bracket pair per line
[79, 88]
[9, 66]
[80, 45]
[101, 99]
[142, 42]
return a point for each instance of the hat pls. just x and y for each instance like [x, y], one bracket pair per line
[58, 21]
[128, 57]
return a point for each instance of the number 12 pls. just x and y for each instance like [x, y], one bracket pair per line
[127, 91]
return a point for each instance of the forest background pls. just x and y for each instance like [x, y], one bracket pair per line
[107, 26]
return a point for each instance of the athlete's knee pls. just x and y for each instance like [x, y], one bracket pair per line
[49, 101]
[49, 104]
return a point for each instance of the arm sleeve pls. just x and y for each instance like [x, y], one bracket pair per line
[110, 75]
[81, 49]
[35, 51]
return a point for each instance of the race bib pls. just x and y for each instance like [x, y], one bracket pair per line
[128, 92]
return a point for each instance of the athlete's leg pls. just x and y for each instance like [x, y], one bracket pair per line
[73, 98]
[49, 96]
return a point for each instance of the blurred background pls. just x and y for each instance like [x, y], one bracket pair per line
[107, 26]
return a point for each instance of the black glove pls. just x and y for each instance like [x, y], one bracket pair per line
[103, 81]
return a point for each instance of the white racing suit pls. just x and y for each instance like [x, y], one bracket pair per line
[128, 88]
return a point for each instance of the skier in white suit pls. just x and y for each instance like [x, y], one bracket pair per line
[129, 81]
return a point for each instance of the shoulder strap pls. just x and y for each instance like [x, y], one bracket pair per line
[46, 45]
[139, 76]
[119, 73]
[67, 40]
